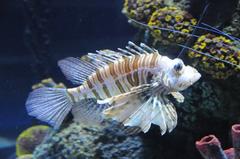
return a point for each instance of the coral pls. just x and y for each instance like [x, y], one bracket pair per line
[210, 147]
[29, 139]
[184, 4]
[48, 82]
[234, 27]
[141, 10]
[172, 18]
[201, 101]
[29, 156]
[221, 48]
[82, 141]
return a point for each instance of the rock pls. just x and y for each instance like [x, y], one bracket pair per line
[81, 141]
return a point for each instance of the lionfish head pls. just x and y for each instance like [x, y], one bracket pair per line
[182, 76]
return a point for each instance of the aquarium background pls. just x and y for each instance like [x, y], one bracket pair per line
[34, 35]
[74, 28]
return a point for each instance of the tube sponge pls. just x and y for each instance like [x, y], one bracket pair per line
[210, 147]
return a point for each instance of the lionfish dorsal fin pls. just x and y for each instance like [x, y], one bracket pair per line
[77, 70]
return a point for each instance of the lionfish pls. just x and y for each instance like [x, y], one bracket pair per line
[130, 86]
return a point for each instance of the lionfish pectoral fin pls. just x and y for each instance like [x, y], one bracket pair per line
[88, 111]
[157, 110]
[178, 96]
[139, 108]
[164, 114]
[123, 98]
[127, 108]
[130, 112]
[129, 130]
[121, 106]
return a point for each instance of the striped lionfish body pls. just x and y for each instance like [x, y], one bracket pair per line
[117, 77]
[130, 86]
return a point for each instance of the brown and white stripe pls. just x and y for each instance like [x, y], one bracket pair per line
[117, 77]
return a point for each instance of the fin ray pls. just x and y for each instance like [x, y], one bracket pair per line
[49, 104]
[178, 96]
[75, 70]
[89, 111]
[140, 109]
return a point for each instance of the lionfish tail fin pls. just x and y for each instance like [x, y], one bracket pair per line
[50, 105]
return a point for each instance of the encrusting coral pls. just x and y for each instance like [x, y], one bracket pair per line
[30, 138]
[220, 47]
[202, 101]
[84, 141]
[167, 15]
[141, 10]
[48, 82]
[210, 147]
[172, 18]
[29, 156]
[234, 27]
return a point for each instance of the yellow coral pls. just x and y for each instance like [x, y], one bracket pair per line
[193, 21]
[186, 23]
[220, 65]
[157, 32]
[179, 18]
[202, 45]
[29, 139]
[28, 156]
[169, 18]
[141, 10]
[219, 47]
[132, 13]
[178, 26]
[201, 38]
[185, 30]
[191, 54]
[170, 36]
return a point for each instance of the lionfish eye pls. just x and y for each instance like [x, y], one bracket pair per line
[178, 67]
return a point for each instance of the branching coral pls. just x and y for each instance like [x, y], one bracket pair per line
[210, 147]
[29, 139]
[221, 48]
[141, 10]
[172, 18]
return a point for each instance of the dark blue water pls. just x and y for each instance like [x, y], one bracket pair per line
[74, 28]
[35, 34]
